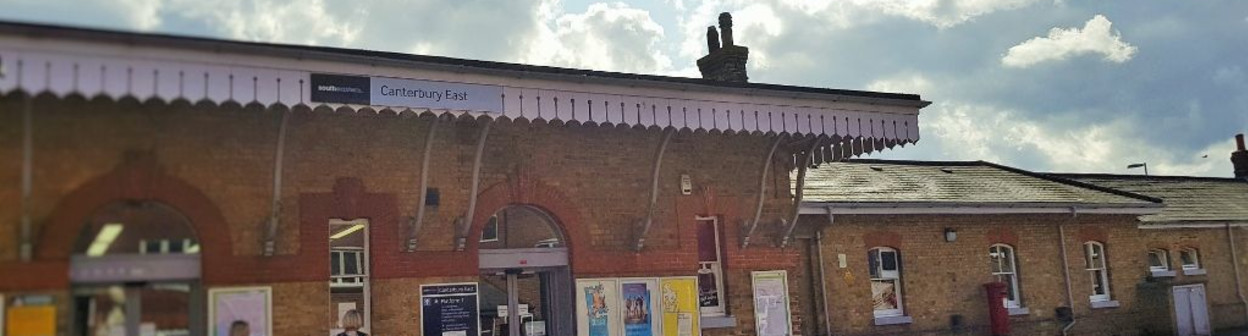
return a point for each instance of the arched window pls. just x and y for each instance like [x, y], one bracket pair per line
[1190, 258]
[885, 273]
[1005, 269]
[1158, 260]
[1094, 258]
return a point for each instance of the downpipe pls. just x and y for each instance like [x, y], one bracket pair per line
[1070, 299]
[1239, 285]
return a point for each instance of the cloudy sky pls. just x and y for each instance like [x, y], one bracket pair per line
[1049, 85]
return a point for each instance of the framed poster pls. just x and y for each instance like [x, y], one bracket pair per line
[771, 303]
[641, 312]
[36, 320]
[680, 306]
[598, 307]
[252, 306]
[450, 309]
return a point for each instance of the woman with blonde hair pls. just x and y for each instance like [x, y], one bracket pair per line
[240, 328]
[352, 321]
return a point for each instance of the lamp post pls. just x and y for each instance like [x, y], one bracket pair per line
[1138, 165]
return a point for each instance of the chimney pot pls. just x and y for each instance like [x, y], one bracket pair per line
[725, 25]
[1239, 158]
[712, 40]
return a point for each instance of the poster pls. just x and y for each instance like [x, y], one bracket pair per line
[598, 307]
[679, 297]
[450, 309]
[30, 321]
[250, 305]
[641, 307]
[771, 303]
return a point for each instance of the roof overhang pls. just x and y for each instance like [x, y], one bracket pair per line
[65, 62]
[931, 208]
[1192, 225]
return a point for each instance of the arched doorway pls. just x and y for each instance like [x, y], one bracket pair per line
[526, 282]
[135, 270]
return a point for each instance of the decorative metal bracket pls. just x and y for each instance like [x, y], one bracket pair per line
[275, 208]
[803, 164]
[464, 224]
[415, 223]
[749, 226]
[646, 223]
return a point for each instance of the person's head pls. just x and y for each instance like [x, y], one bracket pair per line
[240, 328]
[352, 320]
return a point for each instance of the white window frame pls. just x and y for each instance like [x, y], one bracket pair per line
[343, 279]
[1012, 273]
[886, 275]
[1163, 255]
[717, 269]
[1195, 253]
[493, 220]
[165, 246]
[366, 269]
[1098, 271]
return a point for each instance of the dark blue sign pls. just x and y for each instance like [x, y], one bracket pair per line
[449, 309]
[341, 89]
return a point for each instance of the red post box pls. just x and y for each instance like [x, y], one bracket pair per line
[998, 316]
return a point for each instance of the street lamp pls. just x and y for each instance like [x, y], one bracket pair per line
[1138, 165]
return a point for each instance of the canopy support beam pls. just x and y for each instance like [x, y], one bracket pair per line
[465, 222]
[647, 222]
[275, 214]
[803, 164]
[26, 247]
[417, 222]
[750, 226]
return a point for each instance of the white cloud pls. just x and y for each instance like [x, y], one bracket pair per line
[970, 131]
[909, 83]
[943, 13]
[305, 22]
[613, 37]
[1096, 37]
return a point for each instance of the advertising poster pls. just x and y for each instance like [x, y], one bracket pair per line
[641, 307]
[252, 306]
[771, 303]
[31, 321]
[450, 309]
[597, 307]
[679, 298]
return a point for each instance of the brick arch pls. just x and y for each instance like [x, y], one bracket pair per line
[1002, 236]
[138, 177]
[882, 238]
[523, 190]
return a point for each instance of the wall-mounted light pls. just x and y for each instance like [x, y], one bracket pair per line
[951, 235]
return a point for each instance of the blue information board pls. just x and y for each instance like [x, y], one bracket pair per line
[450, 310]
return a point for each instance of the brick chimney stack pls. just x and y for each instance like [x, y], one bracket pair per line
[724, 61]
[1239, 158]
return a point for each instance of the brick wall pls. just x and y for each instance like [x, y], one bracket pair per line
[214, 164]
[941, 279]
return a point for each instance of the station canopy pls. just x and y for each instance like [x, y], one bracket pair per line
[39, 59]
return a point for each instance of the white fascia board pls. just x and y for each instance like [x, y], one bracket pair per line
[1190, 225]
[948, 209]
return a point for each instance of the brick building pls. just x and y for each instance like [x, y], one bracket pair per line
[151, 177]
[905, 247]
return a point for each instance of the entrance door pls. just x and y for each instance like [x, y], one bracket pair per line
[1191, 311]
[526, 283]
[135, 272]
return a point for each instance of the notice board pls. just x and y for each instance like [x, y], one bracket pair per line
[771, 303]
[450, 309]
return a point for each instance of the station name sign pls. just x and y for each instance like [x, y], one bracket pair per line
[410, 93]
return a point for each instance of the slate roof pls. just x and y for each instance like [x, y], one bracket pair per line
[954, 183]
[1187, 199]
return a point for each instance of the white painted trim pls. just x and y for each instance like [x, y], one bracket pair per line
[893, 320]
[1163, 274]
[977, 209]
[1105, 304]
[1199, 271]
[1181, 225]
[1019, 311]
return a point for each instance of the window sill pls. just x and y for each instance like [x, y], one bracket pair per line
[1105, 304]
[718, 321]
[1019, 311]
[1164, 274]
[893, 320]
[1200, 271]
